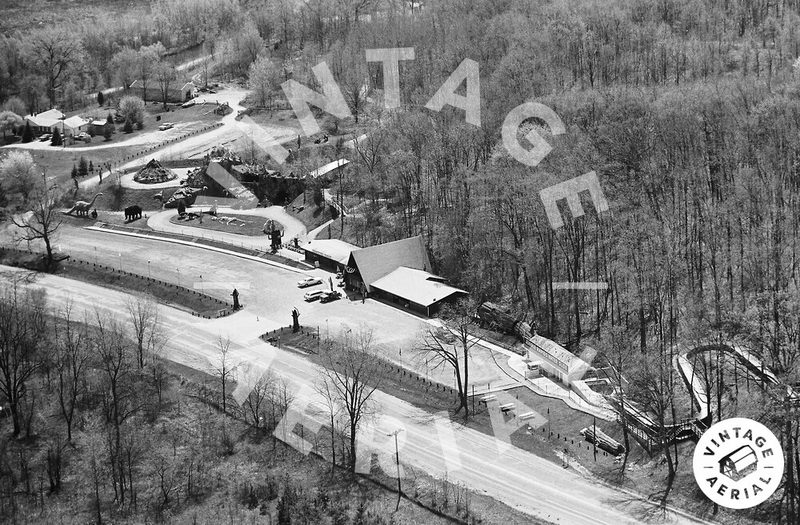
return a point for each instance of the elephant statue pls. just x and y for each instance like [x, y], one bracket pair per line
[133, 212]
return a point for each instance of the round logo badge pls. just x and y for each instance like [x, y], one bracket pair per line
[738, 463]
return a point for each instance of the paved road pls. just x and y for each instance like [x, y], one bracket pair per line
[266, 291]
[520, 479]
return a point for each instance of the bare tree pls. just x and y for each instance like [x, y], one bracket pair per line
[224, 369]
[351, 374]
[119, 373]
[43, 219]
[71, 363]
[55, 52]
[147, 328]
[450, 347]
[22, 319]
[331, 396]
[256, 402]
[165, 75]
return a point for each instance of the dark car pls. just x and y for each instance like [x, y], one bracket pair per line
[328, 297]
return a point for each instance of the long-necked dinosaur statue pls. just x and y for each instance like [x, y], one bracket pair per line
[81, 208]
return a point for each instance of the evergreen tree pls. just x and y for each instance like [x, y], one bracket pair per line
[100, 98]
[91, 167]
[108, 130]
[285, 508]
[56, 140]
[83, 167]
[27, 134]
[109, 120]
[75, 176]
[128, 127]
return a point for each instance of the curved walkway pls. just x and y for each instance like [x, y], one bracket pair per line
[292, 227]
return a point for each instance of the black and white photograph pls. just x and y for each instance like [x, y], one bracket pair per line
[390, 262]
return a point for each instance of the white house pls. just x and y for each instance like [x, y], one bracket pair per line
[44, 122]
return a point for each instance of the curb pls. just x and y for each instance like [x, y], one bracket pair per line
[197, 245]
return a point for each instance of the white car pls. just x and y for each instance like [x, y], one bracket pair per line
[313, 296]
[165, 126]
[309, 281]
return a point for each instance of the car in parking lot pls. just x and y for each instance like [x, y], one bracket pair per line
[329, 296]
[313, 296]
[309, 281]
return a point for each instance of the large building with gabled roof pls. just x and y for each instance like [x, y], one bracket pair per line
[399, 272]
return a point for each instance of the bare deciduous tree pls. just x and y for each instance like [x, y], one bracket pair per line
[351, 375]
[22, 318]
[450, 346]
[71, 363]
[147, 329]
[224, 369]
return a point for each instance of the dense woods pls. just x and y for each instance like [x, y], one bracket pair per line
[688, 110]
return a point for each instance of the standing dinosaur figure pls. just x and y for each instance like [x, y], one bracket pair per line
[82, 208]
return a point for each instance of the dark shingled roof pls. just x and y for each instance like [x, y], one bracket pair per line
[378, 261]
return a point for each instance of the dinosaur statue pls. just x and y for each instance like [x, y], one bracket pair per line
[133, 212]
[81, 208]
[187, 195]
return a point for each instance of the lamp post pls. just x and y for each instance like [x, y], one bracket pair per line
[397, 461]
[148, 269]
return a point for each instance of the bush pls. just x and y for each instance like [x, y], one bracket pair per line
[132, 108]
[108, 130]
[128, 127]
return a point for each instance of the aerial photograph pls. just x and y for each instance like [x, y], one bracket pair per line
[384, 262]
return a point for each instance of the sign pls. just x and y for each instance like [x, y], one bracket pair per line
[738, 463]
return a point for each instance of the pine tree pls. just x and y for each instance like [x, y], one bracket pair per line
[285, 509]
[100, 98]
[109, 120]
[27, 134]
[83, 167]
[108, 130]
[56, 140]
[128, 127]
[91, 167]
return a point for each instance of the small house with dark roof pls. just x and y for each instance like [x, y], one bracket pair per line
[399, 272]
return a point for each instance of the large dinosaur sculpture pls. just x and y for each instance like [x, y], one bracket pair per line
[187, 195]
[81, 208]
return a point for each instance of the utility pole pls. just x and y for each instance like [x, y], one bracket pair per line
[594, 432]
[397, 460]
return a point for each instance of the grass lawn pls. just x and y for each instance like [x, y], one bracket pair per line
[59, 160]
[253, 225]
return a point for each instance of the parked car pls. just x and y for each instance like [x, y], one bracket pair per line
[165, 126]
[188, 103]
[85, 137]
[313, 296]
[330, 296]
[309, 281]
[45, 137]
